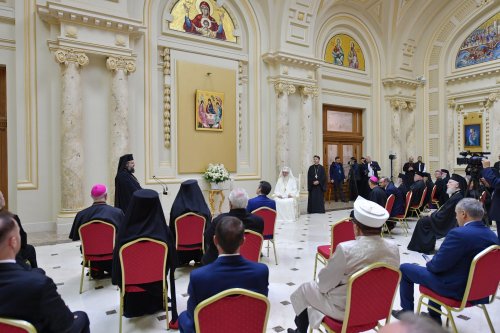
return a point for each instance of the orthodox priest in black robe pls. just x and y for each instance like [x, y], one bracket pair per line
[189, 199]
[101, 211]
[354, 177]
[145, 218]
[417, 188]
[125, 182]
[437, 225]
[429, 185]
[316, 185]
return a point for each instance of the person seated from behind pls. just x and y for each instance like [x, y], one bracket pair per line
[285, 194]
[400, 184]
[312, 301]
[101, 211]
[417, 188]
[447, 272]
[261, 200]
[398, 208]
[437, 225]
[377, 194]
[440, 187]
[229, 270]
[29, 294]
[27, 254]
[429, 185]
[238, 200]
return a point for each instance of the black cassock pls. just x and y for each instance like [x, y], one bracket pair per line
[145, 219]
[430, 228]
[189, 199]
[98, 211]
[125, 185]
[316, 200]
[378, 195]
[417, 190]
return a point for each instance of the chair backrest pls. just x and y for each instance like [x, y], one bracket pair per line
[408, 201]
[142, 261]
[252, 246]
[98, 237]
[390, 203]
[370, 294]
[433, 193]
[342, 231]
[233, 310]
[269, 217]
[422, 198]
[189, 229]
[484, 275]
[8, 325]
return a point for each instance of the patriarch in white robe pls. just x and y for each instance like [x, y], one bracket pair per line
[286, 193]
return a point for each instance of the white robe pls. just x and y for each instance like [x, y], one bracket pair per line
[328, 296]
[286, 207]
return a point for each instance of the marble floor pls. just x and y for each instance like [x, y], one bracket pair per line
[296, 246]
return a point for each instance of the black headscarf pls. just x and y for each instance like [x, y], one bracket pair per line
[189, 199]
[144, 218]
[462, 182]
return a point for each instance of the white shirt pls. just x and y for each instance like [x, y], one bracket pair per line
[8, 261]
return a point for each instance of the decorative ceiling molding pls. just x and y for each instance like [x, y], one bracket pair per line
[402, 82]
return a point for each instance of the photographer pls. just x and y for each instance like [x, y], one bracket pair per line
[491, 178]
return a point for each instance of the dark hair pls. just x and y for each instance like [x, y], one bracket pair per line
[230, 232]
[336, 157]
[265, 187]
[367, 231]
[317, 157]
[7, 224]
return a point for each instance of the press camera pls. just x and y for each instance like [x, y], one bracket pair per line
[474, 162]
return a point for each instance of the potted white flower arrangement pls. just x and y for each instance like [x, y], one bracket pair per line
[216, 174]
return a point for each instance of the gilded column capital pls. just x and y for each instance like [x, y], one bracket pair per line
[490, 100]
[399, 103]
[66, 56]
[312, 91]
[121, 63]
[451, 103]
[283, 87]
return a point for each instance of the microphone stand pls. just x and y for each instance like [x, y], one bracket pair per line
[163, 185]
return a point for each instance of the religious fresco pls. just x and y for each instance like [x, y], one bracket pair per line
[482, 45]
[209, 110]
[204, 18]
[343, 50]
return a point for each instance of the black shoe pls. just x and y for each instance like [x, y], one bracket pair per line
[291, 330]
[397, 313]
[436, 319]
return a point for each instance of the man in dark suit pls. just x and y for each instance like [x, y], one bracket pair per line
[99, 210]
[417, 188]
[497, 164]
[447, 272]
[230, 270]
[373, 167]
[409, 170]
[238, 199]
[377, 194]
[420, 166]
[441, 221]
[491, 178]
[337, 177]
[29, 294]
[261, 200]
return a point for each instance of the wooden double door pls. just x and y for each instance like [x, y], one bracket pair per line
[342, 137]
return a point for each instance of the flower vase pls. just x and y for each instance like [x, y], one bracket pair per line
[215, 186]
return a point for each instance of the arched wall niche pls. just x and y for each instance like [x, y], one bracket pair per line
[353, 88]
[450, 94]
[165, 49]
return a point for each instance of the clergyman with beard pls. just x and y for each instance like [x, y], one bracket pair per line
[125, 182]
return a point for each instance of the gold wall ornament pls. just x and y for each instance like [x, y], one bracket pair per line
[166, 116]
[166, 61]
[283, 87]
[120, 41]
[309, 91]
[71, 32]
[66, 56]
[120, 63]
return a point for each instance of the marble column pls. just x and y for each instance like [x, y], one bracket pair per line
[410, 130]
[72, 190]
[396, 105]
[118, 117]
[283, 89]
[306, 149]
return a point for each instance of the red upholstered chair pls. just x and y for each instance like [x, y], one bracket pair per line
[98, 242]
[233, 310]
[370, 294]
[402, 218]
[341, 231]
[252, 246]
[434, 200]
[416, 208]
[269, 217]
[189, 230]
[8, 325]
[388, 207]
[143, 261]
[484, 276]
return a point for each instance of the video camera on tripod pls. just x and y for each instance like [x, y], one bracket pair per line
[474, 162]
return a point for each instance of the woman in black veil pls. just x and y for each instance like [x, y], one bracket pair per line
[189, 199]
[145, 218]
